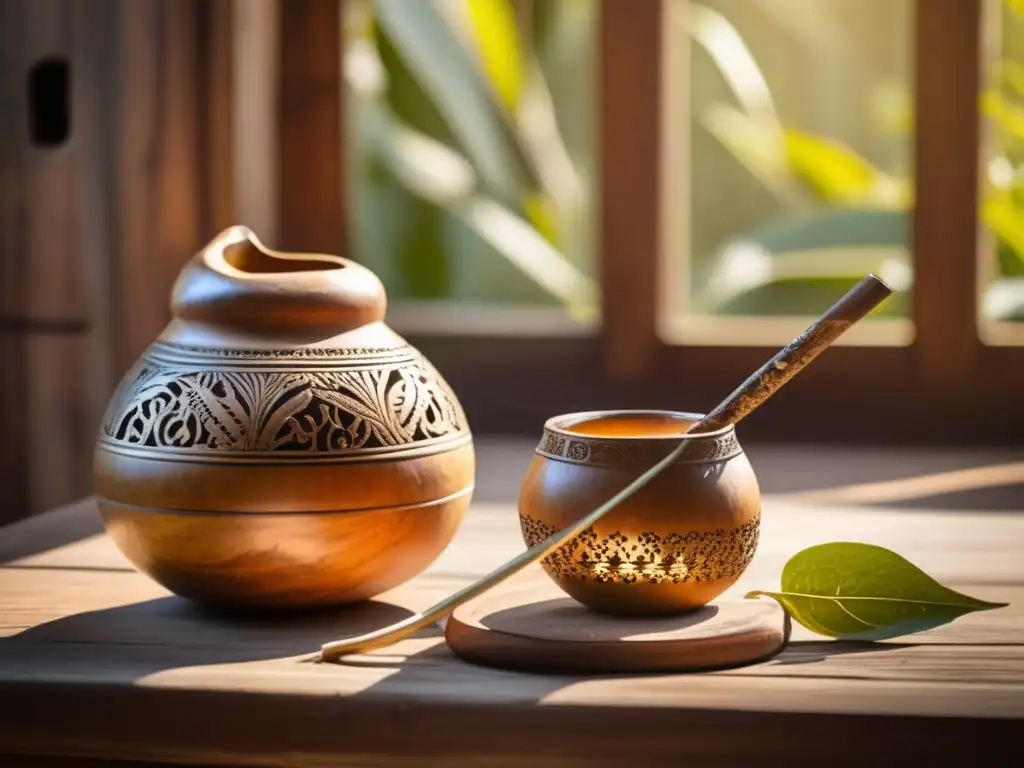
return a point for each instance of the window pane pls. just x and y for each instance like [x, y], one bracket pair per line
[789, 144]
[1002, 178]
[470, 146]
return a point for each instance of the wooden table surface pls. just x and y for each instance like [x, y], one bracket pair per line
[97, 661]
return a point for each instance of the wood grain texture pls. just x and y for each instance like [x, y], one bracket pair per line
[254, 50]
[129, 672]
[157, 191]
[629, 175]
[288, 560]
[50, 322]
[532, 626]
[310, 142]
[946, 161]
[218, 87]
[93, 229]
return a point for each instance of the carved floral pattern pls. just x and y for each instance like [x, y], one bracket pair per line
[306, 411]
[650, 558]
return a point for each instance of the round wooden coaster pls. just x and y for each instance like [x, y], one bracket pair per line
[529, 630]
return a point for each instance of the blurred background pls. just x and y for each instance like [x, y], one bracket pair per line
[573, 204]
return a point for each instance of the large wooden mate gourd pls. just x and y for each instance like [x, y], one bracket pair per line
[278, 445]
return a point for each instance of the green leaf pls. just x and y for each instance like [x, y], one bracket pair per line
[445, 69]
[1012, 75]
[858, 591]
[723, 43]
[755, 145]
[1009, 116]
[497, 43]
[839, 175]
[436, 175]
[793, 264]
[1004, 216]
[541, 213]
[406, 96]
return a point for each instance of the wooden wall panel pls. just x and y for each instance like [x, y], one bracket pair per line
[93, 230]
[46, 310]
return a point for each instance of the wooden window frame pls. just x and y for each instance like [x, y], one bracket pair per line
[945, 386]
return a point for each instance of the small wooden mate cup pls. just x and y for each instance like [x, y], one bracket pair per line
[673, 546]
[278, 445]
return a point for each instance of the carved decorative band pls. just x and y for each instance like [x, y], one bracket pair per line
[648, 558]
[163, 348]
[303, 358]
[288, 412]
[580, 449]
[416, 450]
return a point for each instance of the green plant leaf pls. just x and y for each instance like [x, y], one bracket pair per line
[1004, 216]
[794, 264]
[727, 49]
[437, 175]
[755, 146]
[858, 591]
[499, 49]
[404, 93]
[433, 52]
[541, 213]
[1009, 116]
[1012, 74]
[839, 175]
[517, 81]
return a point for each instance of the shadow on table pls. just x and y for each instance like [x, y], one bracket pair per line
[58, 528]
[127, 644]
[155, 635]
[956, 481]
[427, 709]
[813, 652]
[438, 704]
[168, 632]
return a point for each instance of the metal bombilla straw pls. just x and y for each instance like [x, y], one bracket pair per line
[759, 386]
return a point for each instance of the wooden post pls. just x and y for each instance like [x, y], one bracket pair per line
[310, 144]
[945, 230]
[629, 234]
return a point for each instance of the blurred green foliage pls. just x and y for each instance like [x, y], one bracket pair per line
[465, 184]
[858, 214]
[473, 162]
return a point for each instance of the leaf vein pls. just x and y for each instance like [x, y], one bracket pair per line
[858, 619]
[881, 599]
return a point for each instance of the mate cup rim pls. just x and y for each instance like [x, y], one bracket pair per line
[562, 423]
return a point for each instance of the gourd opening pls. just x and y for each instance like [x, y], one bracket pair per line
[246, 256]
[630, 425]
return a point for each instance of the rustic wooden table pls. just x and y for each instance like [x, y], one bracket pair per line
[99, 665]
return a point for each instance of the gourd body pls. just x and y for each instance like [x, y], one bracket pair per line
[673, 546]
[278, 445]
